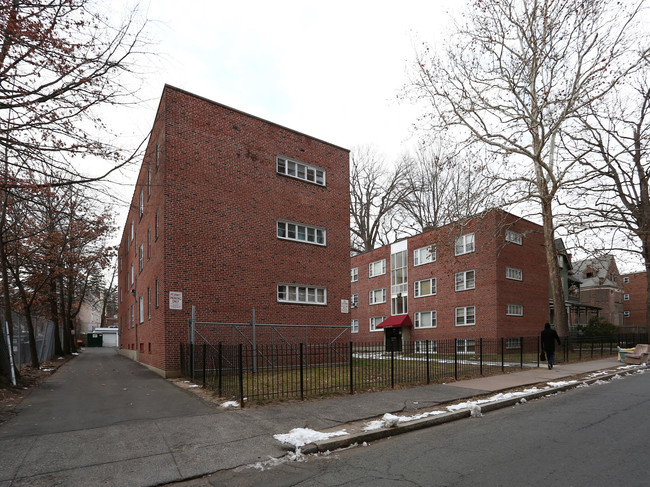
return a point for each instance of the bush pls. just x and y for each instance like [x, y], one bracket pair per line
[597, 326]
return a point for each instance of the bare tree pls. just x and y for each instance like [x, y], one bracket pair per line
[447, 186]
[615, 149]
[375, 195]
[517, 76]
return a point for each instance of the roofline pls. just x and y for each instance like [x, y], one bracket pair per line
[194, 95]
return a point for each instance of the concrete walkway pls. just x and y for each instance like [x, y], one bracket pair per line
[103, 419]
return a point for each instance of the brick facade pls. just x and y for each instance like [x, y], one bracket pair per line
[492, 291]
[207, 227]
[635, 289]
[602, 287]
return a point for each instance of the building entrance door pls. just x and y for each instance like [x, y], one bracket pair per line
[393, 339]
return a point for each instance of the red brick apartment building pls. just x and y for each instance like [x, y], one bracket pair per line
[230, 212]
[635, 291]
[485, 278]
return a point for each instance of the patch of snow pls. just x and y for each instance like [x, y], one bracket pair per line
[475, 411]
[75, 353]
[195, 385]
[229, 404]
[562, 383]
[46, 370]
[523, 400]
[303, 436]
[390, 420]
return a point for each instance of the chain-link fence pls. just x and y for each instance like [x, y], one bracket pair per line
[19, 338]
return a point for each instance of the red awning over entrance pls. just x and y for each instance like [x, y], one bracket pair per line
[395, 322]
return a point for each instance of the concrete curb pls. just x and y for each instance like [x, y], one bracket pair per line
[368, 436]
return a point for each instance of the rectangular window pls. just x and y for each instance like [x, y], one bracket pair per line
[465, 345]
[141, 258]
[513, 343]
[291, 293]
[354, 302]
[514, 237]
[156, 226]
[354, 275]
[626, 297]
[157, 155]
[132, 232]
[399, 304]
[465, 244]
[466, 316]
[377, 268]
[425, 319]
[148, 243]
[120, 293]
[399, 273]
[426, 287]
[157, 294]
[424, 255]
[626, 280]
[148, 180]
[141, 308]
[420, 346]
[378, 296]
[465, 280]
[148, 302]
[300, 170]
[354, 326]
[515, 274]
[626, 314]
[132, 273]
[301, 233]
[515, 310]
[374, 321]
[141, 202]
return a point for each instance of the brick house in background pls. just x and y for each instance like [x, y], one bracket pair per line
[230, 212]
[635, 291]
[601, 287]
[486, 277]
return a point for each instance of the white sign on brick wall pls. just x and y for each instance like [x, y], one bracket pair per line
[175, 300]
[345, 306]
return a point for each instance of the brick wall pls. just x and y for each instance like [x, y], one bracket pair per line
[637, 289]
[219, 197]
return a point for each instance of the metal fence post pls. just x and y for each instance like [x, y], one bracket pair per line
[302, 378]
[241, 375]
[192, 361]
[351, 369]
[426, 343]
[392, 368]
[503, 356]
[220, 359]
[204, 351]
[521, 352]
[455, 358]
[480, 358]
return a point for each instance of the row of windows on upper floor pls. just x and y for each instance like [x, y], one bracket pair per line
[463, 345]
[463, 245]
[463, 281]
[464, 316]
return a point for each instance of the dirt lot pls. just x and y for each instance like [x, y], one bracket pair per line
[30, 378]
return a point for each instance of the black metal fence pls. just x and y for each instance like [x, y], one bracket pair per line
[277, 372]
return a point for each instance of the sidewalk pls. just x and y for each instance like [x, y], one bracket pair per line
[103, 419]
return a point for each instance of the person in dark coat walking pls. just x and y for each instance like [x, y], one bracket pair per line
[549, 337]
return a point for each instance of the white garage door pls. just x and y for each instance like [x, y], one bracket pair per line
[110, 340]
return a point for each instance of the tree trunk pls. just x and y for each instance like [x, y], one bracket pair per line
[55, 317]
[560, 316]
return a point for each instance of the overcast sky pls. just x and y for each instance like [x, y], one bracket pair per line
[329, 69]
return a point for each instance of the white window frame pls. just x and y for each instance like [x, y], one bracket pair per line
[373, 272]
[465, 244]
[374, 321]
[419, 346]
[132, 273]
[301, 233]
[515, 310]
[462, 283]
[132, 232]
[302, 294]
[466, 345]
[141, 301]
[424, 255]
[514, 274]
[372, 296]
[157, 293]
[465, 315]
[514, 237]
[354, 326]
[141, 258]
[433, 317]
[354, 301]
[141, 202]
[513, 343]
[626, 314]
[626, 280]
[354, 274]
[417, 287]
[626, 297]
[301, 170]
[149, 302]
